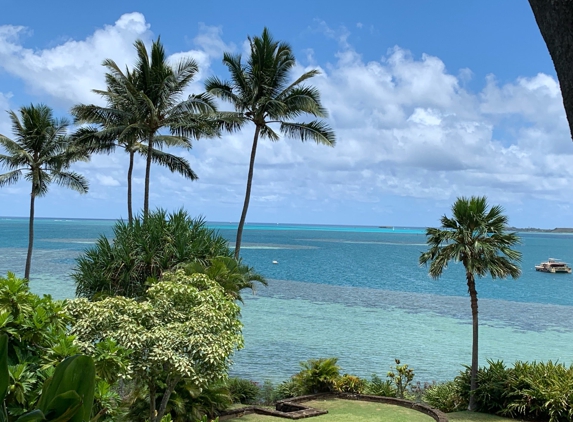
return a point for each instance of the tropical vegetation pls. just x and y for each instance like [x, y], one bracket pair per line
[475, 236]
[186, 329]
[262, 93]
[148, 247]
[157, 317]
[41, 152]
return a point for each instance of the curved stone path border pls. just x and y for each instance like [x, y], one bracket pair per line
[293, 409]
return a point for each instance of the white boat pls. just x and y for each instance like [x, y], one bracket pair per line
[553, 265]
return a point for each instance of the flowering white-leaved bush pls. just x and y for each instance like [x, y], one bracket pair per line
[186, 328]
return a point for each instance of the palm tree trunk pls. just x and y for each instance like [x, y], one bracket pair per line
[129, 173]
[147, 171]
[247, 193]
[30, 236]
[474, 301]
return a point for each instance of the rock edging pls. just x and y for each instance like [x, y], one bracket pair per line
[292, 409]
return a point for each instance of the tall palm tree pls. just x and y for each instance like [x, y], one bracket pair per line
[476, 237]
[260, 91]
[118, 127]
[42, 153]
[150, 100]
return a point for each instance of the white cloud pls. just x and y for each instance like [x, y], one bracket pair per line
[406, 126]
[69, 71]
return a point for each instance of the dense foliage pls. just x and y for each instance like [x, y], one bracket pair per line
[537, 390]
[37, 339]
[186, 329]
[142, 250]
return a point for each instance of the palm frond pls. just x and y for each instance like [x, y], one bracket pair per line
[10, 178]
[174, 163]
[71, 180]
[316, 131]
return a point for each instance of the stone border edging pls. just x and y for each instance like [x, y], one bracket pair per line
[306, 412]
[438, 415]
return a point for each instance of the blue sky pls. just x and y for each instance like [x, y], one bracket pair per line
[429, 100]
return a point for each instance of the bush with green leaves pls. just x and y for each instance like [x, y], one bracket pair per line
[379, 387]
[186, 329]
[445, 396]
[541, 391]
[186, 403]
[287, 389]
[533, 391]
[36, 328]
[317, 375]
[243, 391]
[67, 395]
[350, 384]
[142, 250]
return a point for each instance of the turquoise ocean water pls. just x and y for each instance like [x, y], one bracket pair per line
[356, 293]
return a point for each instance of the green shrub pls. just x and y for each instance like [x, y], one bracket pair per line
[186, 403]
[142, 250]
[401, 376]
[350, 384]
[287, 389]
[243, 391]
[540, 390]
[267, 394]
[317, 375]
[36, 328]
[379, 387]
[492, 386]
[447, 397]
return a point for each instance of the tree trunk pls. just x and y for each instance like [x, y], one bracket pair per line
[247, 193]
[147, 171]
[474, 301]
[30, 236]
[170, 386]
[152, 411]
[129, 173]
[555, 21]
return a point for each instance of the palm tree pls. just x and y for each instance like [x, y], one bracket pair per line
[148, 99]
[476, 237]
[42, 153]
[230, 273]
[119, 128]
[261, 93]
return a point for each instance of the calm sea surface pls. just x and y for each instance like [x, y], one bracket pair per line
[356, 293]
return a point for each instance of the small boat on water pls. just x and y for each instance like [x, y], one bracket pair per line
[553, 265]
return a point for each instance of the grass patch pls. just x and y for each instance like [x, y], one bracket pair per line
[351, 411]
[476, 417]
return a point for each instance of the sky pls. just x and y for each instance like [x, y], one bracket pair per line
[429, 101]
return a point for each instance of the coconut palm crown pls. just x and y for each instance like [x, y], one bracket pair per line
[262, 93]
[147, 100]
[42, 153]
[476, 237]
[117, 126]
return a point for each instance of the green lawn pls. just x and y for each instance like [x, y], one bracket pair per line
[358, 411]
[351, 411]
[476, 417]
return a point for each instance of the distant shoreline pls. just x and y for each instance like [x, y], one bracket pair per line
[513, 229]
[535, 230]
